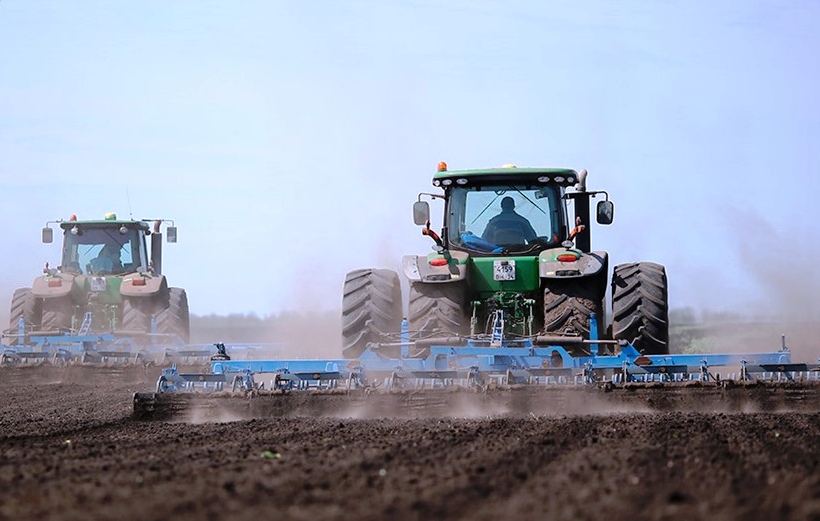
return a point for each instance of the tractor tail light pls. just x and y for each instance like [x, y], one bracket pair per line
[138, 282]
[438, 262]
[567, 257]
[55, 283]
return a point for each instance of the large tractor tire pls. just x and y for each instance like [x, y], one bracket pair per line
[640, 306]
[569, 304]
[135, 314]
[438, 310]
[57, 314]
[25, 306]
[175, 319]
[371, 308]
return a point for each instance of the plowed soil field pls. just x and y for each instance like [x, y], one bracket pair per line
[69, 449]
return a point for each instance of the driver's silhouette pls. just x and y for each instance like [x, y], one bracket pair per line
[508, 227]
[108, 260]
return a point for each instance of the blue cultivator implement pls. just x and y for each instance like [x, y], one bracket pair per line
[477, 366]
[83, 346]
[112, 348]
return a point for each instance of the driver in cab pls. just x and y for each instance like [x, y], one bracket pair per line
[508, 227]
[108, 260]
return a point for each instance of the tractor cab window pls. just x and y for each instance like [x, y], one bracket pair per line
[103, 251]
[513, 218]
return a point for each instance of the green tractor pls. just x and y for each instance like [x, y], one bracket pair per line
[107, 282]
[510, 261]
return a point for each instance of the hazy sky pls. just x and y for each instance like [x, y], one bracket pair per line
[288, 140]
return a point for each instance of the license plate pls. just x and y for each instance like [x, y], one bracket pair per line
[98, 284]
[504, 270]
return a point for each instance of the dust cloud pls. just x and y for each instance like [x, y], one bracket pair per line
[781, 263]
[771, 290]
[290, 334]
[499, 402]
[197, 416]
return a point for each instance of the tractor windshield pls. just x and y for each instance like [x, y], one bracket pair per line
[512, 218]
[103, 251]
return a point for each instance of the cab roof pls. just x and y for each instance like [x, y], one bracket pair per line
[104, 223]
[560, 176]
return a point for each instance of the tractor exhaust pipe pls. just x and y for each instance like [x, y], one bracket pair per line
[582, 181]
[583, 241]
[156, 248]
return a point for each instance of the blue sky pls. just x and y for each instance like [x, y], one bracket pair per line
[288, 140]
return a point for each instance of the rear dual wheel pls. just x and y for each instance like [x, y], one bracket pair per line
[371, 309]
[640, 306]
[174, 319]
[136, 314]
[437, 309]
[169, 309]
[569, 304]
[57, 314]
[25, 306]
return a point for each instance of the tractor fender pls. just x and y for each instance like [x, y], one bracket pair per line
[436, 268]
[132, 285]
[585, 265]
[53, 286]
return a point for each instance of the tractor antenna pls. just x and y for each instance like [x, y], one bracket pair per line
[128, 199]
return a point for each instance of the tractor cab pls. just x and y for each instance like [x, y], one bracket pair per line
[510, 210]
[517, 217]
[104, 247]
[109, 246]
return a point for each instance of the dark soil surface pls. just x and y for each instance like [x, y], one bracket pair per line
[69, 449]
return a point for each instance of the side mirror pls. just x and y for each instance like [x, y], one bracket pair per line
[604, 212]
[172, 233]
[421, 212]
[48, 235]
